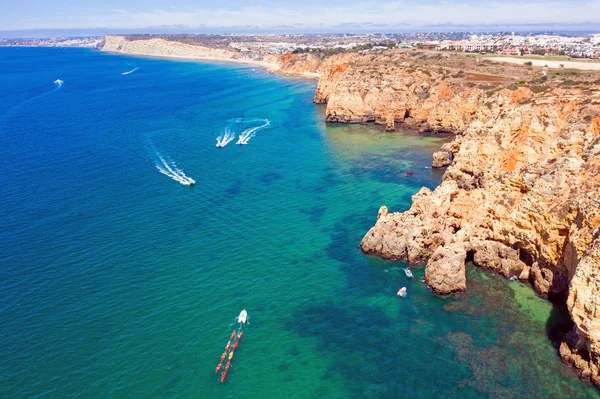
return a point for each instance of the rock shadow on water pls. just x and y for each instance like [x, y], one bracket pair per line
[270, 177]
[408, 168]
[360, 342]
[329, 179]
[375, 355]
[559, 324]
[235, 188]
[494, 334]
[344, 249]
[315, 213]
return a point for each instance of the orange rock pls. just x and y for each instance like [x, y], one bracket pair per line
[596, 126]
[522, 93]
[446, 92]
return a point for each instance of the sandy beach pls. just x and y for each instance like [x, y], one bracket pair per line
[160, 48]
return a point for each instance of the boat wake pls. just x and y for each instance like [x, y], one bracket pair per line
[130, 72]
[164, 164]
[225, 138]
[13, 110]
[247, 134]
[169, 168]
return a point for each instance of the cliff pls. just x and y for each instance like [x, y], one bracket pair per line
[157, 47]
[304, 65]
[521, 194]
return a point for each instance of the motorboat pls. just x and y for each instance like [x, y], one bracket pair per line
[402, 292]
[243, 317]
[408, 273]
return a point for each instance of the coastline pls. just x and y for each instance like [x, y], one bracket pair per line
[514, 151]
[270, 67]
[156, 258]
[162, 49]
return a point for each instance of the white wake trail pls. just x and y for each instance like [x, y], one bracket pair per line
[130, 72]
[247, 134]
[226, 138]
[170, 169]
[14, 109]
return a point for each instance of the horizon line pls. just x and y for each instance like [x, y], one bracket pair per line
[582, 28]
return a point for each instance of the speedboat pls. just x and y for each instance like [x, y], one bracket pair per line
[58, 82]
[402, 292]
[408, 273]
[190, 181]
[243, 317]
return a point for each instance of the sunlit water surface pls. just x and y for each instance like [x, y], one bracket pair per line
[119, 280]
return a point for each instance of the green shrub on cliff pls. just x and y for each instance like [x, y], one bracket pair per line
[538, 89]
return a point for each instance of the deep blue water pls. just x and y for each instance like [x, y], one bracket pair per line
[116, 280]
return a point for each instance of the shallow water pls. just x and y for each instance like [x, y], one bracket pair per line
[116, 280]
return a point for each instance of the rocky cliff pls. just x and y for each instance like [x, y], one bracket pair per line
[304, 65]
[521, 194]
[164, 48]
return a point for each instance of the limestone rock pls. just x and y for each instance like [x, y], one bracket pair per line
[441, 159]
[582, 348]
[497, 256]
[520, 195]
[445, 272]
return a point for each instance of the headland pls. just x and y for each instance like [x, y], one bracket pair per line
[521, 192]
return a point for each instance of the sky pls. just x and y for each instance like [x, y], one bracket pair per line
[300, 15]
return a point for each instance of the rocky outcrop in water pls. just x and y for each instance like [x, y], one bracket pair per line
[521, 194]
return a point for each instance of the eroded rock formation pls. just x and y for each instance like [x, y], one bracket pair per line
[521, 195]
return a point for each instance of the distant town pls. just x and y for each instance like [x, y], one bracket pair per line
[502, 43]
[92, 42]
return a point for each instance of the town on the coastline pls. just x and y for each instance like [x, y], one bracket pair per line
[501, 43]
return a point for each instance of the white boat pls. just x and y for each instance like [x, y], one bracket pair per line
[243, 317]
[408, 273]
[190, 181]
[58, 82]
[402, 292]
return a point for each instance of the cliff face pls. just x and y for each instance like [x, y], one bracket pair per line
[165, 48]
[521, 195]
[304, 65]
[399, 89]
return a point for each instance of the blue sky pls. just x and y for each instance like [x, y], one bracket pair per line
[304, 14]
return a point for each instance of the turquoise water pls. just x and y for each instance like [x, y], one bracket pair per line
[116, 280]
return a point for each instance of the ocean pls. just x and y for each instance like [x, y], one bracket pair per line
[118, 279]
